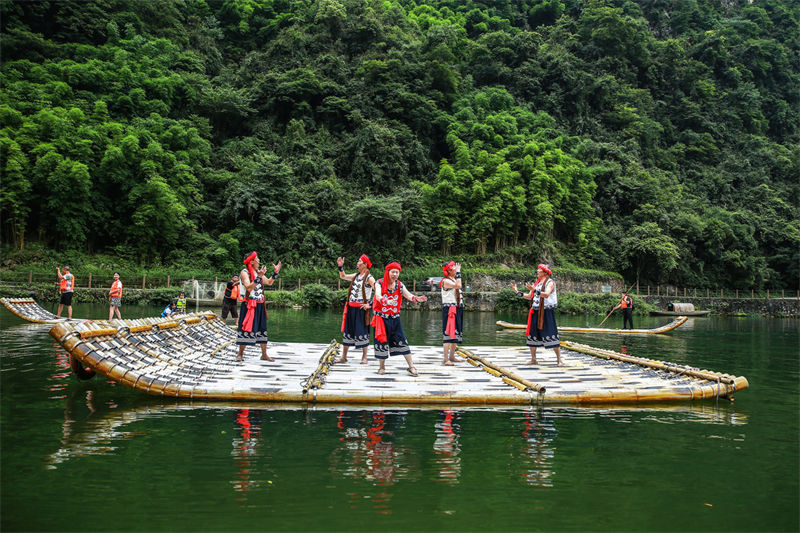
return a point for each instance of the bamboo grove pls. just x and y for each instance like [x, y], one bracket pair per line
[656, 138]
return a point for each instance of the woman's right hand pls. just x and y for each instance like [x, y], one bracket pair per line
[514, 286]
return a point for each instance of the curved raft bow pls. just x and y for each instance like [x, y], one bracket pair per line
[195, 357]
[28, 309]
[663, 329]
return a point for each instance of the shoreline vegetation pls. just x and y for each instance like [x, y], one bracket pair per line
[317, 296]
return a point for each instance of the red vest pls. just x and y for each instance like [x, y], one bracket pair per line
[116, 288]
[393, 300]
[67, 284]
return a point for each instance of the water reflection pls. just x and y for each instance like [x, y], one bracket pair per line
[446, 448]
[539, 434]
[245, 441]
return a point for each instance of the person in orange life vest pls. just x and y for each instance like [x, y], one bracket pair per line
[355, 318]
[230, 298]
[389, 336]
[66, 284]
[546, 336]
[252, 326]
[626, 303]
[452, 311]
[115, 297]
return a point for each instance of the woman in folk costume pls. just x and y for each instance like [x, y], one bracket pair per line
[355, 318]
[252, 327]
[542, 329]
[389, 336]
[452, 311]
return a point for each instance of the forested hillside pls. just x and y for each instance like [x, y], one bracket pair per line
[659, 138]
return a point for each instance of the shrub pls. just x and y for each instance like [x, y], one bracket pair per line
[314, 296]
[508, 300]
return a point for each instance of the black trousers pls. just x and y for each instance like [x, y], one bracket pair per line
[627, 316]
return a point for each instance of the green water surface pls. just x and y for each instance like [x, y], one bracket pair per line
[96, 456]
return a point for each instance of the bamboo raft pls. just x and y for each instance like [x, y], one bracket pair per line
[28, 309]
[194, 357]
[663, 329]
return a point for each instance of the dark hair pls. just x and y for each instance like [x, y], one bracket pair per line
[116, 273]
[66, 267]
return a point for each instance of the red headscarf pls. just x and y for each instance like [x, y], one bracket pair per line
[366, 260]
[446, 268]
[386, 281]
[250, 270]
[545, 269]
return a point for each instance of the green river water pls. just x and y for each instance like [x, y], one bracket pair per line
[96, 456]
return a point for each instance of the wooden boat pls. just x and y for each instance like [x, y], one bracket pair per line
[663, 329]
[28, 309]
[194, 357]
[659, 312]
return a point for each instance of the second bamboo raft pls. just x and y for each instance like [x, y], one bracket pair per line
[663, 329]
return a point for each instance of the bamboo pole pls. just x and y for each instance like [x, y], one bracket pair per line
[90, 280]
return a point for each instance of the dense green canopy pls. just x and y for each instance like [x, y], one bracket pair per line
[659, 138]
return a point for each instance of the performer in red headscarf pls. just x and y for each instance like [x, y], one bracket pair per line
[355, 317]
[252, 327]
[389, 336]
[452, 310]
[542, 330]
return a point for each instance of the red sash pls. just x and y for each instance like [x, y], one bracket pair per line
[247, 323]
[344, 314]
[380, 328]
[528, 329]
[450, 329]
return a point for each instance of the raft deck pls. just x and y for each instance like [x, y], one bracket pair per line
[567, 329]
[194, 357]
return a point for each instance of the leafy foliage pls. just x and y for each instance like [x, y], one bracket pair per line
[657, 139]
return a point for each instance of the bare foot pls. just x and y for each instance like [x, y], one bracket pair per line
[412, 370]
[340, 360]
[447, 363]
[239, 359]
[532, 362]
[364, 361]
[266, 358]
[381, 371]
[453, 359]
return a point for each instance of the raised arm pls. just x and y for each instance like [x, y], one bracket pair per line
[342, 275]
[270, 280]
[528, 296]
[408, 296]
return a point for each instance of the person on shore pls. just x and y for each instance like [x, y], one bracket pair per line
[355, 317]
[389, 336]
[66, 284]
[180, 304]
[115, 297]
[452, 311]
[542, 329]
[230, 298]
[252, 325]
[169, 310]
[626, 303]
